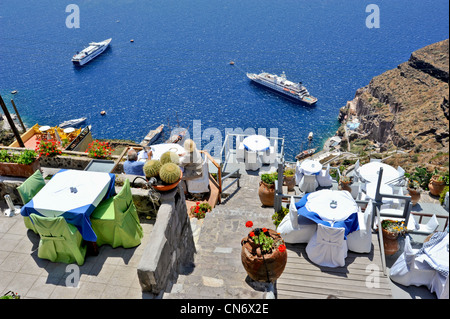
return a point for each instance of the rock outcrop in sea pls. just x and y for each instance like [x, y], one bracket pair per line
[406, 108]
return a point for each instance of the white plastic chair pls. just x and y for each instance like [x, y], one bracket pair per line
[294, 231]
[324, 179]
[360, 241]
[308, 184]
[252, 160]
[327, 247]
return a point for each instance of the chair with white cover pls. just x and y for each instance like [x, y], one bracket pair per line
[200, 184]
[252, 160]
[324, 178]
[298, 173]
[407, 271]
[308, 184]
[240, 147]
[356, 177]
[328, 247]
[360, 241]
[295, 229]
[269, 155]
[416, 227]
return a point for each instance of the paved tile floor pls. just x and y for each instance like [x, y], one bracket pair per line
[111, 274]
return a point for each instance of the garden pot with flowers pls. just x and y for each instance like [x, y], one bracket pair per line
[99, 150]
[263, 254]
[414, 191]
[19, 164]
[391, 230]
[199, 210]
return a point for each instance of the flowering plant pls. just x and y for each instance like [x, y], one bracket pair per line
[200, 209]
[262, 238]
[345, 179]
[413, 184]
[394, 226]
[98, 149]
[48, 148]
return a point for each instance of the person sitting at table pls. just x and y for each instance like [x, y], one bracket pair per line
[132, 165]
[191, 161]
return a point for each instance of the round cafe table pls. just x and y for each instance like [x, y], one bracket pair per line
[330, 208]
[44, 128]
[69, 130]
[256, 143]
[370, 171]
[310, 167]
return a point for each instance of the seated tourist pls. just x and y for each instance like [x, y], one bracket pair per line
[132, 166]
[191, 161]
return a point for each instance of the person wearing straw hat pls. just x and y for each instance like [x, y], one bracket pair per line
[191, 162]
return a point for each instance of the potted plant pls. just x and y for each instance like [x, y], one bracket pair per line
[48, 148]
[20, 164]
[413, 187]
[199, 210]
[162, 177]
[289, 178]
[391, 230]
[263, 254]
[99, 150]
[266, 189]
[436, 184]
[345, 182]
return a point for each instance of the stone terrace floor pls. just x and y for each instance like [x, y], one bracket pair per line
[217, 271]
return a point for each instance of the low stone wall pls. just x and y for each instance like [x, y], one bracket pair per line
[171, 244]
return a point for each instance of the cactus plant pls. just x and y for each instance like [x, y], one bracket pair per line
[170, 173]
[170, 157]
[151, 168]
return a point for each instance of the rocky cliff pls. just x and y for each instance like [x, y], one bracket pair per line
[406, 108]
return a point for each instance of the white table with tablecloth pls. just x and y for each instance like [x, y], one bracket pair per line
[73, 194]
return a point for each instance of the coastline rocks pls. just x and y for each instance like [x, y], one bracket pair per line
[406, 107]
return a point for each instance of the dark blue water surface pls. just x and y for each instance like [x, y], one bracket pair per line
[178, 65]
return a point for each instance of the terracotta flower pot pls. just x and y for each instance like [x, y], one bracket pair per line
[415, 195]
[19, 170]
[263, 267]
[289, 181]
[266, 193]
[436, 187]
[390, 241]
[345, 186]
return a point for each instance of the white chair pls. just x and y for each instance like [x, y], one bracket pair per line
[360, 241]
[308, 184]
[356, 177]
[240, 150]
[201, 184]
[430, 227]
[252, 160]
[296, 229]
[268, 156]
[327, 247]
[298, 173]
[406, 271]
[324, 179]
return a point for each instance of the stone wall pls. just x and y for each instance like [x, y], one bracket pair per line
[171, 244]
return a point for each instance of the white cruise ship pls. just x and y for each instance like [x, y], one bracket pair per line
[92, 51]
[280, 84]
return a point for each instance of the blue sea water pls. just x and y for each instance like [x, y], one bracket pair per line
[177, 68]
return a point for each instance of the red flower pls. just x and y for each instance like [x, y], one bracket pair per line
[252, 234]
[197, 203]
[282, 248]
[249, 224]
[264, 230]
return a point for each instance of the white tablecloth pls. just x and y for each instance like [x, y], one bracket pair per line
[369, 172]
[310, 167]
[256, 143]
[160, 149]
[323, 201]
[70, 190]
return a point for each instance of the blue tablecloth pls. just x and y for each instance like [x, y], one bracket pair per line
[350, 223]
[74, 195]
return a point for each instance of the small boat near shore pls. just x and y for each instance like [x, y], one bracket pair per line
[73, 123]
[176, 138]
[305, 153]
[152, 136]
